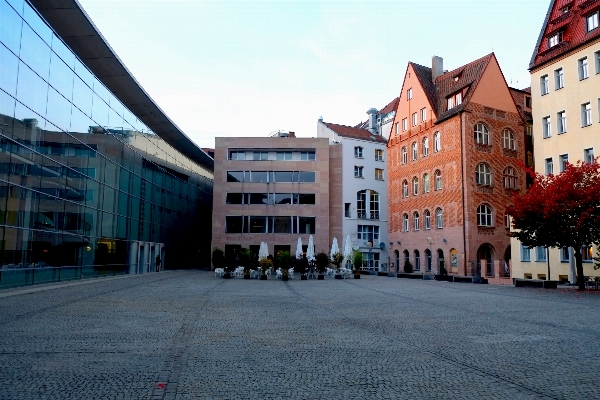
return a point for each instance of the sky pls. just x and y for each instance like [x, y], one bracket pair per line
[248, 68]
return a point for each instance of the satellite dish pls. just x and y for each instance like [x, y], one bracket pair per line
[355, 246]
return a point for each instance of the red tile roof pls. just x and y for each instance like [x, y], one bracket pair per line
[391, 106]
[572, 24]
[354, 133]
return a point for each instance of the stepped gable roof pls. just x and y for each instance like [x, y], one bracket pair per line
[446, 85]
[354, 133]
[569, 18]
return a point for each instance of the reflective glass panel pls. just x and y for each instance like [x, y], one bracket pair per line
[304, 176]
[235, 176]
[283, 176]
[283, 198]
[100, 111]
[80, 123]
[82, 96]
[234, 198]
[9, 65]
[37, 24]
[10, 27]
[258, 198]
[306, 198]
[63, 52]
[58, 111]
[32, 90]
[34, 52]
[282, 225]
[61, 76]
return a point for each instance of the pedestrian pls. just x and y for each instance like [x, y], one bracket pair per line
[158, 263]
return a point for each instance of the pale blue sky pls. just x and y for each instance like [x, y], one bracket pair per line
[247, 68]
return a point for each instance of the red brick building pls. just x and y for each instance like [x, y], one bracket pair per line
[453, 162]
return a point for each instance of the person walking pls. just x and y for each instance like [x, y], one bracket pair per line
[158, 263]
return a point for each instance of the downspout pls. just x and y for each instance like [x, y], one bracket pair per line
[464, 182]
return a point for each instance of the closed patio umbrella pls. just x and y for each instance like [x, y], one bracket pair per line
[299, 248]
[347, 251]
[334, 247]
[310, 252]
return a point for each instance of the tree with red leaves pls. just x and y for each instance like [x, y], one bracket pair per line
[560, 211]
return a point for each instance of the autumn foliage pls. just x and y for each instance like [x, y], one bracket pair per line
[560, 211]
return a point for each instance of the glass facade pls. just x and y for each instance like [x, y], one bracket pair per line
[85, 185]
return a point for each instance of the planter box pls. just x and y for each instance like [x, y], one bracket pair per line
[320, 277]
[339, 277]
[391, 274]
[284, 278]
[356, 276]
[535, 283]
[226, 276]
[409, 276]
[263, 277]
[246, 276]
[382, 273]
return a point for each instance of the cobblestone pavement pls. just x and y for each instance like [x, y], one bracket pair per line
[189, 335]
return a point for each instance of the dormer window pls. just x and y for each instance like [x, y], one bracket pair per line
[565, 10]
[454, 100]
[592, 21]
[555, 39]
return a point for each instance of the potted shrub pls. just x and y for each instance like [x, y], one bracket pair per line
[218, 258]
[301, 266]
[408, 268]
[284, 261]
[357, 262]
[321, 263]
[337, 259]
[265, 265]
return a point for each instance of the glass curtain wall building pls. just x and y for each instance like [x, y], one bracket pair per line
[86, 184]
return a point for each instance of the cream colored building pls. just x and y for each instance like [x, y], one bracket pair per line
[565, 91]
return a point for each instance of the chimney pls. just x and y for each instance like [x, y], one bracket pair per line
[437, 67]
[372, 120]
[292, 134]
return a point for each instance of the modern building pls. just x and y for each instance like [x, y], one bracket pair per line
[93, 175]
[363, 183]
[565, 91]
[274, 190]
[453, 162]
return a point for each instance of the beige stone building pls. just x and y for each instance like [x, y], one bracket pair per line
[565, 90]
[274, 190]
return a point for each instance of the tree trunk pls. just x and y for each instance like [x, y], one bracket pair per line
[579, 267]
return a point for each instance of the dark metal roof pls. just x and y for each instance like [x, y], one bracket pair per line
[74, 26]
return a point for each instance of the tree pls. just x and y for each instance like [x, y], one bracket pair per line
[560, 211]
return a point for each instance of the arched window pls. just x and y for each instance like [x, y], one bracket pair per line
[415, 186]
[437, 142]
[416, 224]
[438, 180]
[361, 204]
[426, 185]
[483, 175]
[405, 222]
[405, 188]
[428, 259]
[427, 215]
[482, 135]
[374, 205]
[439, 218]
[425, 147]
[404, 155]
[367, 204]
[417, 260]
[484, 215]
[508, 140]
[406, 256]
[415, 151]
[510, 178]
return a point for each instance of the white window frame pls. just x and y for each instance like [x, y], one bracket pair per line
[458, 99]
[404, 155]
[583, 68]
[586, 114]
[510, 178]
[540, 254]
[415, 151]
[508, 140]
[544, 85]
[559, 79]
[564, 159]
[438, 180]
[404, 124]
[378, 155]
[426, 183]
[597, 58]
[546, 127]
[439, 218]
[358, 171]
[437, 142]
[482, 134]
[358, 152]
[423, 114]
[427, 218]
[561, 122]
[378, 174]
[485, 215]
[450, 103]
[565, 254]
[483, 175]
[397, 125]
[415, 184]
[553, 40]
[405, 223]
[415, 119]
[525, 253]
[591, 22]
[405, 188]
[409, 94]
[425, 144]
[416, 221]
[549, 166]
[588, 155]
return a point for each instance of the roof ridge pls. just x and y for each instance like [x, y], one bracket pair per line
[466, 65]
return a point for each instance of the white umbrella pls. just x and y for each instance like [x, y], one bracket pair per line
[334, 247]
[263, 251]
[299, 248]
[347, 251]
[310, 252]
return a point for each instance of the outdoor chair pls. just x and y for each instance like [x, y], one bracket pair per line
[219, 272]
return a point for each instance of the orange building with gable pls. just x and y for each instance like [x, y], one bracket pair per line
[453, 161]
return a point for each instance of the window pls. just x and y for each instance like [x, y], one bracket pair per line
[507, 221]
[415, 151]
[564, 160]
[285, 155]
[415, 186]
[378, 155]
[544, 84]
[597, 57]
[234, 224]
[426, 185]
[450, 102]
[439, 218]
[425, 147]
[416, 221]
[592, 22]
[397, 128]
[438, 180]
[414, 119]
[358, 152]
[525, 253]
[427, 215]
[484, 215]
[546, 127]
[347, 212]
[361, 204]
[423, 114]
[510, 178]
[409, 94]
[561, 122]
[417, 260]
[565, 254]
[583, 68]
[237, 155]
[549, 166]
[405, 188]
[588, 156]
[554, 39]
[260, 155]
[458, 98]
[559, 79]
[587, 254]
[527, 101]
[540, 254]
[404, 155]
[586, 114]
[358, 172]
[368, 233]
[483, 175]
[405, 222]
[374, 205]
[508, 140]
[378, 174]
[482, 135]
[437, 144]
[306, 155]
[404, 124]
[305, 198]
